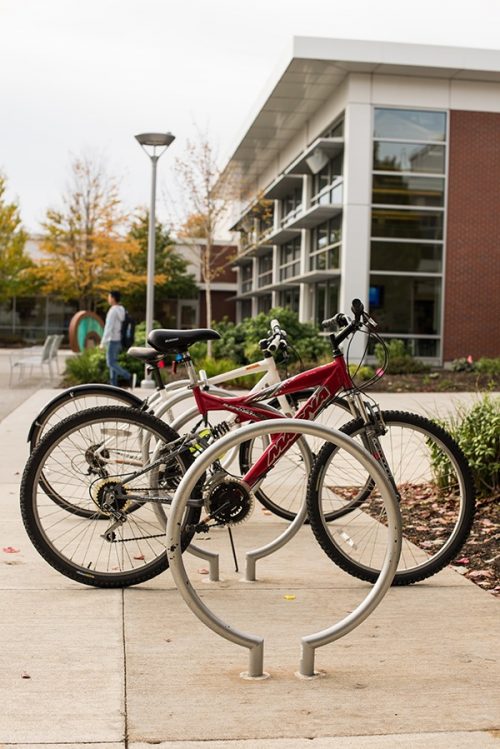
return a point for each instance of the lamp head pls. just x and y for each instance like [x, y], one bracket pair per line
[155, 139]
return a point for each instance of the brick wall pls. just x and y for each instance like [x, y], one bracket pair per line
[223, 305]
[472, 282]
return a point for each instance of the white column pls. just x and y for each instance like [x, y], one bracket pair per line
[254, 285]
[304, 294]
[355, 256]
[276, 274]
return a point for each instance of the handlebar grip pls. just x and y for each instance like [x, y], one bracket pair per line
[275, 326]
[274, 342]
[357, 308]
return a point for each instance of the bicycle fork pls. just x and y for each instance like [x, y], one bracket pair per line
[374, 428]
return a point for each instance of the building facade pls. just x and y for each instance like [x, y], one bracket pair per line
[372, 170]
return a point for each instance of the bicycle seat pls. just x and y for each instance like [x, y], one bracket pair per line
[178, 341]
[145, 354]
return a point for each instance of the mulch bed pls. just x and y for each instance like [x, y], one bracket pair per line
[479, 559]
[439, 381]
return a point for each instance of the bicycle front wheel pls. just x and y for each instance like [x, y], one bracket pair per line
[118, 466]
[436, 500]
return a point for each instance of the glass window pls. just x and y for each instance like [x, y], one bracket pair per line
[290, 298]
[326, 299]
[406, 257]
[396, 189]
[408, 157]
[246, 308]
[335, 131]
[246, 275]
[403, 304]
[390, 222]
[290, 259]
[264, 303]
[409, 124]
[327, 233]
[328, 174]
[265, 270]
[291, 203]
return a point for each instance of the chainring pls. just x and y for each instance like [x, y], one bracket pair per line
[228, 500]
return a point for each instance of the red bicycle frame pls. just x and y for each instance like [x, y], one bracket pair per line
[327, 380]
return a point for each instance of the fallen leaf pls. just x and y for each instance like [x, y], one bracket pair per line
[25, 675]
[138, 556]
[203, 571]
[10, 550]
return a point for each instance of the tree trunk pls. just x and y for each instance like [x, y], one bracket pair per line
[208, 294]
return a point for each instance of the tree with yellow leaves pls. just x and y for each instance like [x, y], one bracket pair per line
[14, 262]
[85, 241]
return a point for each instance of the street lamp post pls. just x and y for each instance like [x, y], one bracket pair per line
[154, 145]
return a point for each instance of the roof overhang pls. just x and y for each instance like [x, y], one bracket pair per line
[314, 68]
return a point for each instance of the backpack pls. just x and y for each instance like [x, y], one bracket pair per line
[127, 331]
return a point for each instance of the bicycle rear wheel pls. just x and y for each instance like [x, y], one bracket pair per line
[107, 462]
[437, 500]
[72, 401]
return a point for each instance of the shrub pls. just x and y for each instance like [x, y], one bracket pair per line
[361, 374]
[89, 366]
[488, 366]
[464, 364]
[400, 361]
[140, 332]
[477, 431]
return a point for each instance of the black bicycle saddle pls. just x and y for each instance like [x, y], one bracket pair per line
[178, 341]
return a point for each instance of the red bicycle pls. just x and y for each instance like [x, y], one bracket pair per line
[122, 466]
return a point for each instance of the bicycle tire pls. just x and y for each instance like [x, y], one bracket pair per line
[75, 399]
[76, 546]
[443, 511]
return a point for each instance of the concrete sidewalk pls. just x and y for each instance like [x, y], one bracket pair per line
[132, 668]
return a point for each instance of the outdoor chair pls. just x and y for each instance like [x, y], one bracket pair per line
[38, 357]
[56, 343]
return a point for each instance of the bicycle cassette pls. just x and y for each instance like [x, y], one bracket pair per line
[109, 496]
[228, 500]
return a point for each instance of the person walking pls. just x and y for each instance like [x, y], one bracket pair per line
[111, 338]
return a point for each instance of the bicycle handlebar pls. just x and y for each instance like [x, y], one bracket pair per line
[348, 326]
[276, 339]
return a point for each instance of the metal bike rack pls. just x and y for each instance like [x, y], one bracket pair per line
[255, 643]
[287, 535]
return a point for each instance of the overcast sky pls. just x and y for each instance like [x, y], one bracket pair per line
[86, 75]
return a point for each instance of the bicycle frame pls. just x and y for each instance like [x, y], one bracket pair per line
[327, 380]
[163, 400]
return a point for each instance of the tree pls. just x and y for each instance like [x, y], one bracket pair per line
[85, 241]
[198, 175]
[172, 281]
[14, 262]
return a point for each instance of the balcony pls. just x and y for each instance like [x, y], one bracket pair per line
[314, 215]
[283, 186]
[312, 160]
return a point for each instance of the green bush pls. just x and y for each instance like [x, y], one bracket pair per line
[477, 431]
[361, 374]
[90, 366]
[400, 360]
[240, 342]
[488, 366]
[462, 365]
